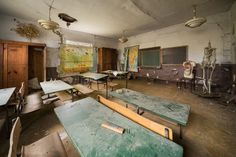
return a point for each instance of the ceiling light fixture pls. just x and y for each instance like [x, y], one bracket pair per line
[49, 24]
[195, 21]
[123, 39]
[67, 18]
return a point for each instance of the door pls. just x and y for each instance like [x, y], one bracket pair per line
[15, 65]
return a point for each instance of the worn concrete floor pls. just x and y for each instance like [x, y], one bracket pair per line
[210, 132]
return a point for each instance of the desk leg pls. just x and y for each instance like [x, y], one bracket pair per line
[107, 88]
[7, 123]
[180, 132]
[126, 82]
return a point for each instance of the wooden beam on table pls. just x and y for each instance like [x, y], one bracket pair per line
[151, 125]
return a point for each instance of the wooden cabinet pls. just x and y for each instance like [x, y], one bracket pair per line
[14, 63]
[15, 69]
[107, 59]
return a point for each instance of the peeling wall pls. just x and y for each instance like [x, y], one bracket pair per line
[217, 30]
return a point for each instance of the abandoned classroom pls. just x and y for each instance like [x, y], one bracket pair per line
[118, 78]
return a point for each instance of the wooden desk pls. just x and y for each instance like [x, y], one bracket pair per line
[96, 77]
[5, 95]
[54, 86]
[82, 121]
[118, 73]
[170, 111]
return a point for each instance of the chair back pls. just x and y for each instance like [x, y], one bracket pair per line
[14, 138]
[21, 94]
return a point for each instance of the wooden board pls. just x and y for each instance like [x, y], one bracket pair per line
[63, 96]
[153, 126]
[83, 89]
[82, 121]
[166, 109]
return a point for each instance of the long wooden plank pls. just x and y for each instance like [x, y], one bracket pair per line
[155, 127]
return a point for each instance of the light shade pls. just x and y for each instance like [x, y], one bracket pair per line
[48, 24]
[195, 22]
[123, 39]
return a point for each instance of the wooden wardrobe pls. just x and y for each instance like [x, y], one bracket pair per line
[107, 59]
[14, 63]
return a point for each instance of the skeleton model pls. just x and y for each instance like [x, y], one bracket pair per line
[208, 66]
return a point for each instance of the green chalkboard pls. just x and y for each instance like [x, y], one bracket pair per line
[174, 55]
[150, 57]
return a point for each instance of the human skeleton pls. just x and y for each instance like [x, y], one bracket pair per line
[208, 65]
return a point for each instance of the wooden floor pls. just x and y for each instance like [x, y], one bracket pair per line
[210, 132]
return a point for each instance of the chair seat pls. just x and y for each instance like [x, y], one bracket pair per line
[83, 89]
[49, 146]
[64, 96]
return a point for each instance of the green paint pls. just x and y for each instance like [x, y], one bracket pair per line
[82, 121]
[170, 110]
[94, 76]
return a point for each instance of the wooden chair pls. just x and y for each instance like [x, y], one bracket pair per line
[49, 146]
[151, 125]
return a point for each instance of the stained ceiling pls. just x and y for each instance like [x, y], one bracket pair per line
[109, 18]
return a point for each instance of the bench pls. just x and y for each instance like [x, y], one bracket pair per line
[48, 146]
[83, 89]
[63, 96]
[112, 85]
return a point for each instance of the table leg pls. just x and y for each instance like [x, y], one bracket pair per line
[126, 82]
[7, 123]
[180, 132]
[106, 87]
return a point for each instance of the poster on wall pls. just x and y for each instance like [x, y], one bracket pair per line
[132, 58]
[75, 59]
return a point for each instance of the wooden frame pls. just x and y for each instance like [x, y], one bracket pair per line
[151, 125]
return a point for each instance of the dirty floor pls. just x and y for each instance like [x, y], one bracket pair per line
[210, 132]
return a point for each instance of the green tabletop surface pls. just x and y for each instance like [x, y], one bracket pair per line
[115, 72]
[54, 86]
[166, 109]
[94, 76]
[82, 121]
[5, 95]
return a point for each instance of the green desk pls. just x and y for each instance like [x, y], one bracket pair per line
[82, 121]
[166, 109]
[95, 77]
[118, 73]
[5, 95]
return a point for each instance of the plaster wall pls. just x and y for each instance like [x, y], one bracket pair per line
[217, 30]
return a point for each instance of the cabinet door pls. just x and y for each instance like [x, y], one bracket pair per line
[1, 65]
[15, 65]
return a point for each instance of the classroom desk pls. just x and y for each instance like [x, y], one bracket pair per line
[96, 77]
[118, 73]
[5, 95]
[82, 121]
[168, 110]
[55, 86]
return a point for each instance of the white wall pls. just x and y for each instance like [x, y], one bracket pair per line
[50, 39]
[217, 30]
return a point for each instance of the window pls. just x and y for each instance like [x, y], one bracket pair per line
[150, 57]
[174, 55]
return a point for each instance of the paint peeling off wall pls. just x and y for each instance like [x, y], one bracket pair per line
[52, 57]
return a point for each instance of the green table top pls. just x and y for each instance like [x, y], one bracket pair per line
[94, 76]
[54, 86]
[82, 121]
[5, 95]
[166, 109]
[115, 72]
